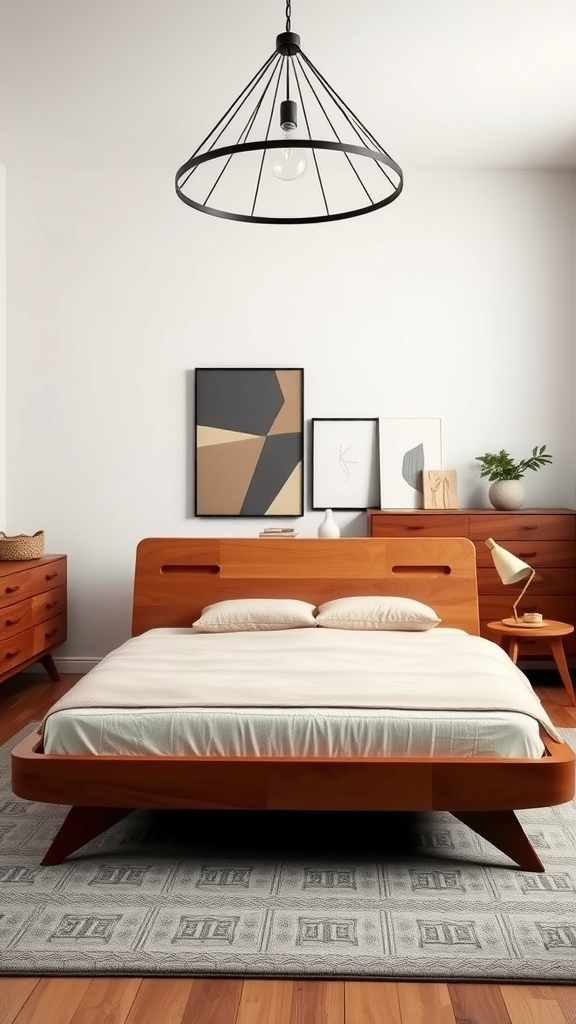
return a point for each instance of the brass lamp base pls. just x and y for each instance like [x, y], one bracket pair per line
[522, 624]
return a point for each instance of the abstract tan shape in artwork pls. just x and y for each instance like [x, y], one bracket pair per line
[289, 419]
[215, 435]
[223, 475]
[288, 498]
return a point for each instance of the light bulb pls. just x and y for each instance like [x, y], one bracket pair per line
[288, 163]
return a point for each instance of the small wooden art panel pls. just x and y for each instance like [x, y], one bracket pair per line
[440, 488]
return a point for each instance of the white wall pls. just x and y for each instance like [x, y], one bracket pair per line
[2, 346]
[456, 301]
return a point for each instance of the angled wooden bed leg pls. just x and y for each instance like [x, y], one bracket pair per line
[504, 831]
[80, 825]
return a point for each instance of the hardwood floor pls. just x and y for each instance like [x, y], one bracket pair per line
[252, 1001]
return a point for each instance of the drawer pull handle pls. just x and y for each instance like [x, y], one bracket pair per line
[12, 622]
[535, 527]
[527, 554]
[51, 575]
[50, 604]
[12, 590]
[12, 654]
[51, 633]
[414, 527]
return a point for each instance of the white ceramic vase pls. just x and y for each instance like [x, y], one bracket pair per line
[507, 495]
[328, 527]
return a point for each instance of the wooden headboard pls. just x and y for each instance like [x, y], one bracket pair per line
[176, 577]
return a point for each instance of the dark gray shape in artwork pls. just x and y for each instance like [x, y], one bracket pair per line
[244, 400]
[279, 457]
[412, 467]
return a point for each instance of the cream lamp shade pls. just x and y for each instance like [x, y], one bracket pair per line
[509, 568]
[513, 570]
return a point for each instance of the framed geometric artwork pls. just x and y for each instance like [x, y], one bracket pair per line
[249, 442]
[345, 464]
[407, 446]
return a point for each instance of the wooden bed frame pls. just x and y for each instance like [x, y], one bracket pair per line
[175, 579]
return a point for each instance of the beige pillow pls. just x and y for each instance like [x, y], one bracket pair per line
[253, 614]
[387, 613]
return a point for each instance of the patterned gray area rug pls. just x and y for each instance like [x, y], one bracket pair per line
[211, 893]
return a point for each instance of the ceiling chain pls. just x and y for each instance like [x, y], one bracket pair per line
[288, 15]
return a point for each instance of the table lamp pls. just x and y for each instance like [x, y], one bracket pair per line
[512, 570]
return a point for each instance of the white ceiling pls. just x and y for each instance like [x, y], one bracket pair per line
[440, 83]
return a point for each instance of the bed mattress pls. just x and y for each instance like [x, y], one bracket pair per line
[82, 726]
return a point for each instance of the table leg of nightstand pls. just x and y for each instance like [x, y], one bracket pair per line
[513, 649]
[557, 649]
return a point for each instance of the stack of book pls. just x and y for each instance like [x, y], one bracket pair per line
[278, 532]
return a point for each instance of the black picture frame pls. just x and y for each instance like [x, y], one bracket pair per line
[249, 442]
[352, 484]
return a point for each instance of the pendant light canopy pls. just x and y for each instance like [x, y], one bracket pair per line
[289, 151]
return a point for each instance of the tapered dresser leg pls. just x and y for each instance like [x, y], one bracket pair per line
[49, 664]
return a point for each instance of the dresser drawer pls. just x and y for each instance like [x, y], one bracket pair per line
[414, 525]
[563, 609]
[530, 645]
[555, 554]
[47, 605]
[49, 633]
[19, 585]
[15, 618]
[559, 582]
[17, 649]
[503, 528]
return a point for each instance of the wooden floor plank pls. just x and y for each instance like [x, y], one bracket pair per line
[13, 994]
[317, 1002]
[213, 1001]
[425, 1003]
[565, 996]
[160, 1001]
[371, 1002]
[478, 1004]
[107, 1001]
[53, 1001]
[525, 1008]
[264, 1002]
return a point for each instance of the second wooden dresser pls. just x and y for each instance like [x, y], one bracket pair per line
[544, 538]
[32, 613]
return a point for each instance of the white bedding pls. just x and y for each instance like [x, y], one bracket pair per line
[301, 692]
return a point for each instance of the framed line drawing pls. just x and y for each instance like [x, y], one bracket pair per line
[407, 447]
[249, 442]
[345, 464]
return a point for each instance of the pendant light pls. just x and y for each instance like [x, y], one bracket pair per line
[289, 151]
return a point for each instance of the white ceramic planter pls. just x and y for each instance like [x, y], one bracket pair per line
[507, 495]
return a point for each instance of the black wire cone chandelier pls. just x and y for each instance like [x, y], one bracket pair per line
[289, 151]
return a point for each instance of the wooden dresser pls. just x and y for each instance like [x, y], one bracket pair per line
[544, 538]
[32, 613]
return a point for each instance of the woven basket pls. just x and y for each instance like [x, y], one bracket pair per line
[22, 546]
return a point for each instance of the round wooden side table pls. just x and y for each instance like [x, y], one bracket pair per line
[511, 638]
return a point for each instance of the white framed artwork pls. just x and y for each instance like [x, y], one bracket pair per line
[345, 473]
[407, 446]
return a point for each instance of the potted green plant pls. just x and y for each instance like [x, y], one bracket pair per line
[507, 490]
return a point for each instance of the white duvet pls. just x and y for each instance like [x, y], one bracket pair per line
[303, 691]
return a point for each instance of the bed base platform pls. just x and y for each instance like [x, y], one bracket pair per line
[483, 793]
[175, 578]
